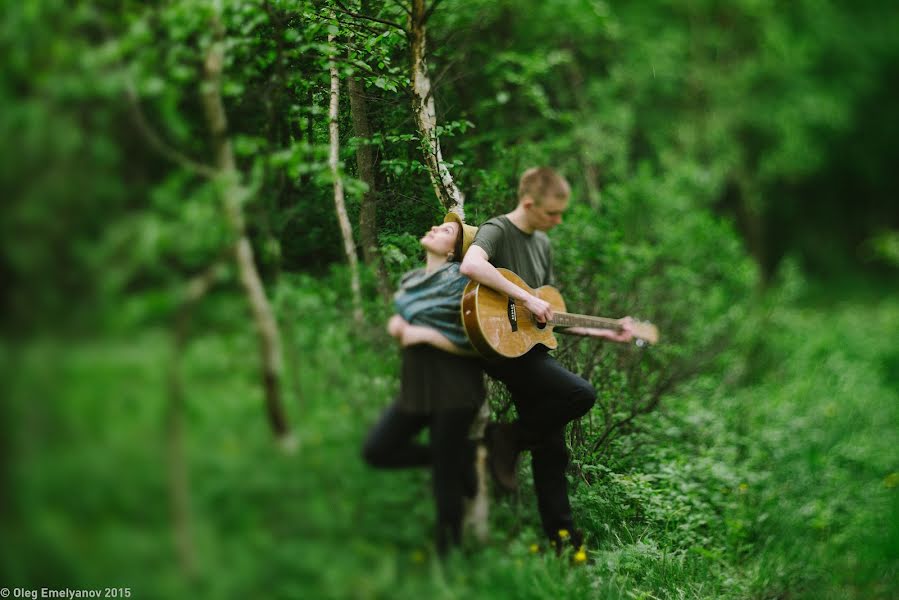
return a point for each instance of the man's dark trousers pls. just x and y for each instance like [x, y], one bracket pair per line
[547, 397]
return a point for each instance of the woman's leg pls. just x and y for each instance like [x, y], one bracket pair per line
[452, 458]
[391, 442]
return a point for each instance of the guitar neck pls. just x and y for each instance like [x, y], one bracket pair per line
[572, 320]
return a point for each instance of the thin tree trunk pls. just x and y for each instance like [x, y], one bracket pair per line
[477, 510]
[591, 180]
[746, 203]
[589, 170]
[426, 115]
[306, 177]
[178, 467]
[178, 470]
[233, 194]
[452, 199]
[426, 118]
[10, 430]
[365, 163]
[346, 229]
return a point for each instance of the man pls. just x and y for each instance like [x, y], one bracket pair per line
[546, 395]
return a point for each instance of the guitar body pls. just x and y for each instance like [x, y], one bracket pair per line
[499, 327]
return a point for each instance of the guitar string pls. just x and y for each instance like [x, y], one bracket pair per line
[600, 320]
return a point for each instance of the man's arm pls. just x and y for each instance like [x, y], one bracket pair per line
[625, 335]
[418, 334]
[476, 266]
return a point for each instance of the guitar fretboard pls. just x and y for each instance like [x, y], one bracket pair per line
[573, 320]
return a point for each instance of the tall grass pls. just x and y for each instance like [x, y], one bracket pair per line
[774, 478]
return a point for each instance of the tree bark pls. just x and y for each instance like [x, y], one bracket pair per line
[426, 115]
[178, 470]
[233, 193]
[346, 229]
[741, 198]
[452, 199]
[589, 170]
[366, 164]
[178, 465]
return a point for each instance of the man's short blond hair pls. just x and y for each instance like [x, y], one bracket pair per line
[541, 183]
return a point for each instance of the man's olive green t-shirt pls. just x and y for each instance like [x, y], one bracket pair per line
[528, 255]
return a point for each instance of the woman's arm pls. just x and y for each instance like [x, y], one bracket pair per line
[417, 334]
[395, 327]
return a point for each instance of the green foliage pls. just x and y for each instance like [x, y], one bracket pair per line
[400, 253]
[758, 487]
[751, 454]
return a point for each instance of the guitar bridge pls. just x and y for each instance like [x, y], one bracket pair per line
[513, 314]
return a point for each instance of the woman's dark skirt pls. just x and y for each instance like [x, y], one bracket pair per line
[434, 380]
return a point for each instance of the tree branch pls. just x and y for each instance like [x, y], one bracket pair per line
[347, 11]
[430, 11]
[364, 27]
[403, 6]
[156, 141]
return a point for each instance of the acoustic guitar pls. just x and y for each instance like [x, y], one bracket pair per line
[498, 326]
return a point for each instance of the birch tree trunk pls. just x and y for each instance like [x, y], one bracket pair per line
[346, 229]
[365, 164]
[426, 116]
[452, 199]
[233, 194]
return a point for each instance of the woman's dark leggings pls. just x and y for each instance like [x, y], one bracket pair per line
[391, 444]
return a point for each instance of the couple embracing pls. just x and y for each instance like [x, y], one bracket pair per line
[442, 383]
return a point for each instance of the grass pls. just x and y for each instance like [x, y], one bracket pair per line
[775, 479]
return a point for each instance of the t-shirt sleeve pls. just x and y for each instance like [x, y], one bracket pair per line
[489, 238]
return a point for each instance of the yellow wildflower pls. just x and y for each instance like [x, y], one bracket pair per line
[743, 488]
[581, 555]
[535, 548]
[563, 534]
[891, 480]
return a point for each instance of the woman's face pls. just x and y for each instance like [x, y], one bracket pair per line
[441, 239]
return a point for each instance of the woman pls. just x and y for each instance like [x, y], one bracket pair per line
[442, 384]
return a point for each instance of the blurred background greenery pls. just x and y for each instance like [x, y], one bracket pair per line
[733, 167]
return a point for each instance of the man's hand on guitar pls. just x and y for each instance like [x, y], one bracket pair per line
[627, 331]
[541, 309]
[625, 335]
[486, 316]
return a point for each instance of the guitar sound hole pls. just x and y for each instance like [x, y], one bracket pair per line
[539, 324]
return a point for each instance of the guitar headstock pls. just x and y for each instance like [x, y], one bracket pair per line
[645, 331]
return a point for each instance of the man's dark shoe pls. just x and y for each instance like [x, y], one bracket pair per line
[503, 448]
